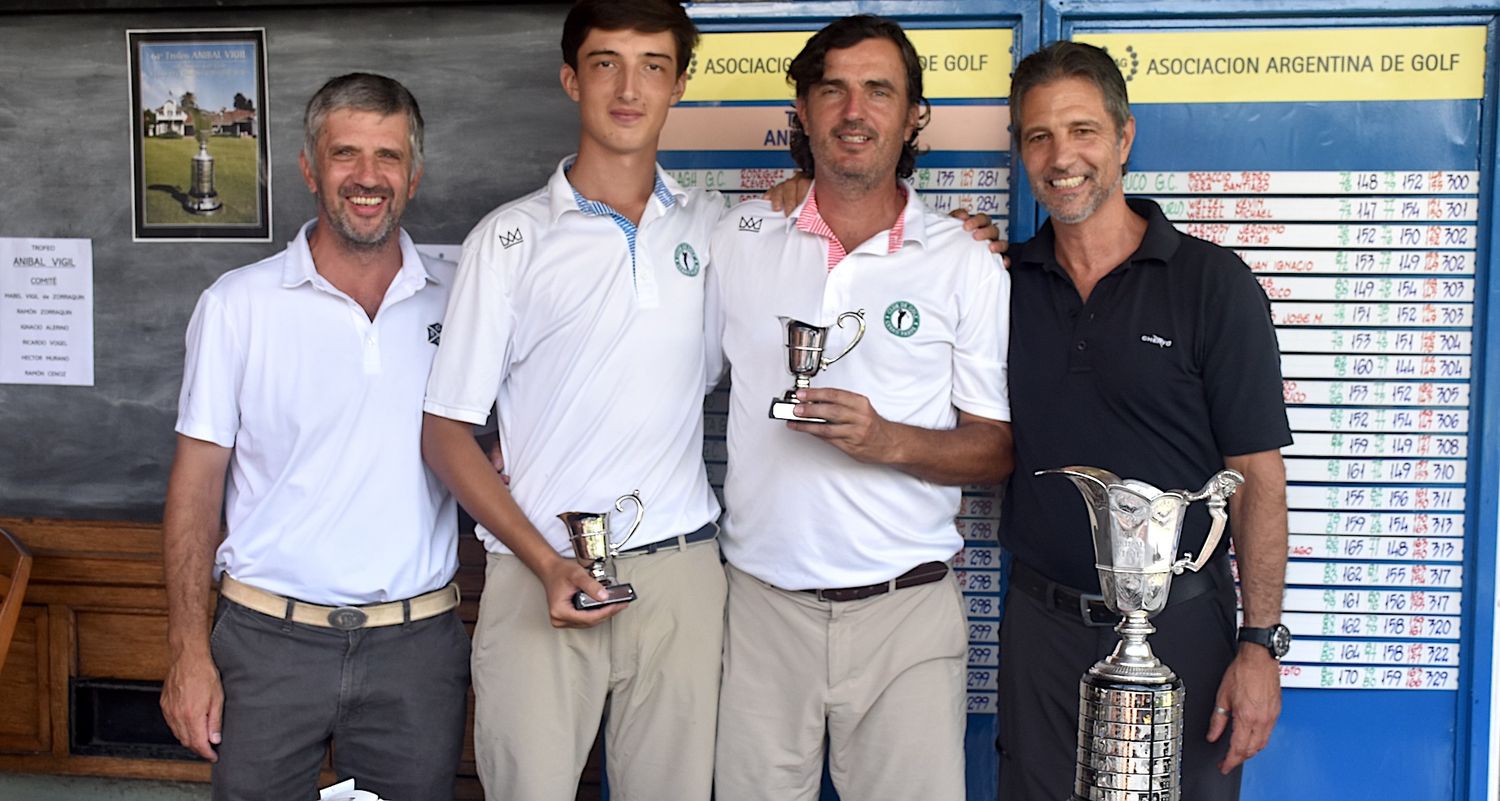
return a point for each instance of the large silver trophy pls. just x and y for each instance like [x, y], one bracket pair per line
[202, 197]
[589, 534]
[804, 358]
[1130, 704]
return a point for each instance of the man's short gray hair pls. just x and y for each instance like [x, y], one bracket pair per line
[362, 91]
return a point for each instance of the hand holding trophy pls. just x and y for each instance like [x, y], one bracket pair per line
[589, 534]
[804, 355]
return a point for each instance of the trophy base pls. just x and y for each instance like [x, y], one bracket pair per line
[781, 409]
[618, 594]
[1129, 740]
[204, 204]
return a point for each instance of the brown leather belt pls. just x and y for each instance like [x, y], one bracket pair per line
[344, 618]
[925, 573]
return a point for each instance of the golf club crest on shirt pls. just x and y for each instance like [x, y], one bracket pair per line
[686, 260]
[902, 319]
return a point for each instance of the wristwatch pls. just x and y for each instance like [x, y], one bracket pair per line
[1277, 639]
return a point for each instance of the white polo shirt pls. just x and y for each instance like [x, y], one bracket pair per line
[328, 499]
[801, 514]
[586, 332]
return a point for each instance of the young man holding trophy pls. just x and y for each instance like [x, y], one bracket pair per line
[578, 312]
[844, 622]
[1150, 354]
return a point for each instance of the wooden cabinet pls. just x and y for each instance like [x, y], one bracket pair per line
[25, 683]
[96, 615]
[96, 608]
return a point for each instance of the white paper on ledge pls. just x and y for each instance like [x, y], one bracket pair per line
[344, 791]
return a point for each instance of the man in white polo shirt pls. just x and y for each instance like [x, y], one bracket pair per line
[843, 620]
[303, 380]
[578, 313]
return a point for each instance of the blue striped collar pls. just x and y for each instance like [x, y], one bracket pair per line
[595, 208]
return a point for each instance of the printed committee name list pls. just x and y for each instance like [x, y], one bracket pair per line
[46, 311]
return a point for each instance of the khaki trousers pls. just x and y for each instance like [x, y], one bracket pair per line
[540, 692]
[881, 679]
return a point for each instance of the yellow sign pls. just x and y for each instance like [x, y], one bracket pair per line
[956, 63]
[1306, 64]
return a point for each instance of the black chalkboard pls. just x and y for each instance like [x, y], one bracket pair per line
[497, 124]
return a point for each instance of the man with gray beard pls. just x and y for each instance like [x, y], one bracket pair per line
[336, 619]
[1151, 354]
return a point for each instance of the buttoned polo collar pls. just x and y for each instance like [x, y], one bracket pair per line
[562, 197]
[298, 269]
[1158, 244]
[913, 221]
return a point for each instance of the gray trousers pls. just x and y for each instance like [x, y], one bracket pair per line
[390, 700]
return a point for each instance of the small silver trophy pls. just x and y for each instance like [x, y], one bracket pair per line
[1130, 704]
[589, 533]
[804, 358]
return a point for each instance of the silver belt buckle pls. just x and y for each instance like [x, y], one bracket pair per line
[347, 618]
[1086, 611]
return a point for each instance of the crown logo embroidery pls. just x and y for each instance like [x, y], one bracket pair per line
[509, 239]
[751, 224]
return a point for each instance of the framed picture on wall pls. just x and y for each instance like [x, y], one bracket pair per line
[199, 138]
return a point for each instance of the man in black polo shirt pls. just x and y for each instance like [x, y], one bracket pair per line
[1151, 354]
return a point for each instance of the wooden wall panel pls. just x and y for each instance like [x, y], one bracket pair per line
[122, 645]
[97, 609]
[26, 687]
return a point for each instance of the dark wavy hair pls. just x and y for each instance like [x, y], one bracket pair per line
[646, 16]
[807, 70]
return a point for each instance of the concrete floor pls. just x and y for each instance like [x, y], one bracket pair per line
[29, 787]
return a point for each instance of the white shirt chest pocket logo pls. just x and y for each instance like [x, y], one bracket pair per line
[686, 260]
[902, 319]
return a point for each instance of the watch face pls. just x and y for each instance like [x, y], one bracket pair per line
[1281, 640]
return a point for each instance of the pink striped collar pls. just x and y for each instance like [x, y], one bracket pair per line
[812, 222]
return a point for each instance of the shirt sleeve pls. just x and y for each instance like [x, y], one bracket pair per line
[475, 351]
[212, 373]
[1242, 367]
[981, 344]
[713, 313]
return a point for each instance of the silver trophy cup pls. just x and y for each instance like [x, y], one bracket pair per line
[1130, 704]
[589, 533]
[804, 359]
[202, 198]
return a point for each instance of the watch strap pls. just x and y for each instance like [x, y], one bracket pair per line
[1268, 638]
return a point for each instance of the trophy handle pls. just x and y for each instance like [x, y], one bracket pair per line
[640, 514]
[858, 335]
[1216, 492]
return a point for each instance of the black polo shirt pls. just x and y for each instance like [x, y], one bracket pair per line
[1171, 365]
